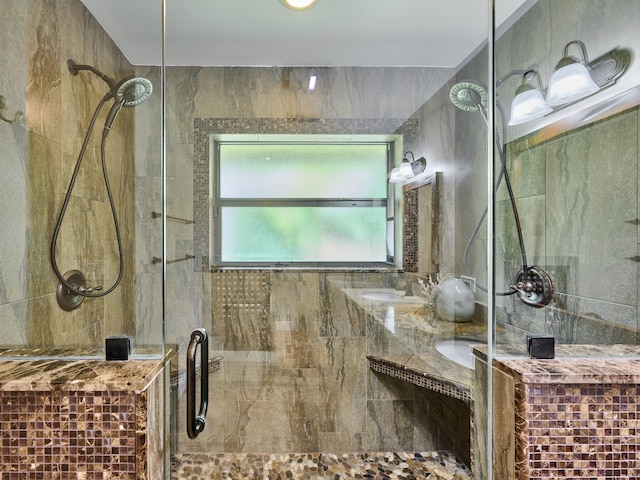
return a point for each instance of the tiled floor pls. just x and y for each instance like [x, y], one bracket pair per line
[319, 466]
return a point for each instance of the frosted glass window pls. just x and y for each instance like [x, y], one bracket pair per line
[303, 170]
[302, 202]
[303, 234]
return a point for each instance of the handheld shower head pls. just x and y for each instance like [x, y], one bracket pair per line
[468, 96]
[132, 91]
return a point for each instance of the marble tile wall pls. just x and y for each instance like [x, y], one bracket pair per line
[39, 152]
[295, 377]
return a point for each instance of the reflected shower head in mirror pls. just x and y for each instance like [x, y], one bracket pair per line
[533, 285]
[469, 96]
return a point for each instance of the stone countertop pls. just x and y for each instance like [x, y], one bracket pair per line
[594, 364]
[45, 373]
[405, 335]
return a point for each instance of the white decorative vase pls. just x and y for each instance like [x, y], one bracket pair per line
[454, 301]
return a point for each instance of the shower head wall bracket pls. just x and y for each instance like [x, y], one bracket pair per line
[71, 298]
[67, 298]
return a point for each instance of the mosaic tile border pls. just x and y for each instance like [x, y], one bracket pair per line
[419, 379]
[179, 377]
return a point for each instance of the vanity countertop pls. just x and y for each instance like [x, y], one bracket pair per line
[404, 338]
[82, 372]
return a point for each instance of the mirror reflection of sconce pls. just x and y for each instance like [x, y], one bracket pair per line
[16, 117]
[407, 169]
[529, 103]
[573, 79]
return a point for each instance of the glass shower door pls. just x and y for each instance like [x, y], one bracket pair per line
[290, 381]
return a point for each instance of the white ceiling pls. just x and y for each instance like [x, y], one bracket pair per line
[438, 33]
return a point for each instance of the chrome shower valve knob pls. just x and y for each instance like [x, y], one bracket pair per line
[534, 288]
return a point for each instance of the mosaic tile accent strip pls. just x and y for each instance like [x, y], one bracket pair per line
[410, 231]
[419, 379]
[576, 431]
[320, 466]
[179, 377]
[67, 435]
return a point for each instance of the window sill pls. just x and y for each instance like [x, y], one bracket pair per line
[307, 267]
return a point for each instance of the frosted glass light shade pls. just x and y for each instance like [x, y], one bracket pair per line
[405, 170]
[401, 173]
[570, 83]
[528, 105]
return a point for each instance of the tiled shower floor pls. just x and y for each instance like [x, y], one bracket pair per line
[319, 466]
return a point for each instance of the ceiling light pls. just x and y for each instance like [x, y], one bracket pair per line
[529, 103]
[312, 82]
[298, 4]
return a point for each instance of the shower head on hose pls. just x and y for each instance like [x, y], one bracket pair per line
[532, 284]
[129, 92]
[468, 96]
[132, 91]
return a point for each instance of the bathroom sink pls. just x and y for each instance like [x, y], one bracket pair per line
[459, 351]
[387, 297]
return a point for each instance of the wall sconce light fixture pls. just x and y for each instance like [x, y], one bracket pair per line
[529, 102]
[407, 169]
[573, 80]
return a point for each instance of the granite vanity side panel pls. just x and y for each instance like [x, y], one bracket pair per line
[479, 418]
[151, 430]
[504, 453]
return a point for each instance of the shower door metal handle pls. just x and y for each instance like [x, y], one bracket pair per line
[196, 423]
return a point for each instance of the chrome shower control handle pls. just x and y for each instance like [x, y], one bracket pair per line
[534, 287]
[524, 288]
